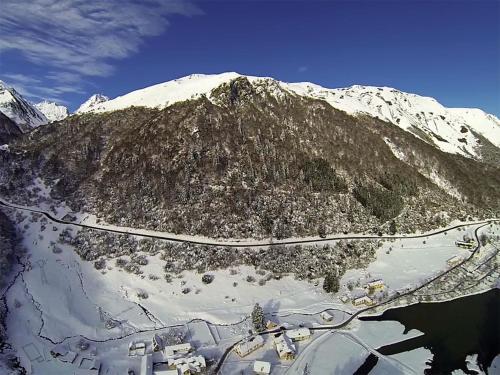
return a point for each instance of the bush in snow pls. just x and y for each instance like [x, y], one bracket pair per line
[207, 278]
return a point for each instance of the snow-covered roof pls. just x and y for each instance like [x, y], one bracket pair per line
[298, 333]
[262, 367]
[376, 283]
[250, 344]
[172, 350]
[283, 345]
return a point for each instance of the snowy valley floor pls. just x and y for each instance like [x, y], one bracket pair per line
[56, 298]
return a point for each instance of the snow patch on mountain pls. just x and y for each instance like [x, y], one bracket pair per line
[93, 104]
[52, 111]
[449, 129]
[19, 110]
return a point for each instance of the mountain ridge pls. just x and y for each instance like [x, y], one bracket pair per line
[249, 160]
[449, 129]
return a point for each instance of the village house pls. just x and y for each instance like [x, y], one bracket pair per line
[375, 284]
[137, 348]
[188, 365]
[261, 368]
[249, 345]
[452, 262]
[364, 300]
[147, 365]
[284, 346]
[299, 334]
[326, 316]
[175, 350]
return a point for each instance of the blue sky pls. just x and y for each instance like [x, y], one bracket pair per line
[71, 49]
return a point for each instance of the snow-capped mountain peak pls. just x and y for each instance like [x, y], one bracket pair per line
[453, 130]
[92, 103]
[52, 111]
[18, 109]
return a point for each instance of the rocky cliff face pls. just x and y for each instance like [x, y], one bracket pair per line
[19, 110]
[8, 129]
[254, 160]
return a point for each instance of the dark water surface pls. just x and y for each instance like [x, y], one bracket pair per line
[452, 330]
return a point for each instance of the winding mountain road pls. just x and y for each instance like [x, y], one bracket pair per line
[234, 243]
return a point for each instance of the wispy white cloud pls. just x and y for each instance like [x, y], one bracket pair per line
[302, 69]
[76, 38]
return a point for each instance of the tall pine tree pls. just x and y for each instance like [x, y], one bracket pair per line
[258, 318]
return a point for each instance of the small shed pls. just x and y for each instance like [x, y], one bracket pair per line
[454, 260]
[261, 368]
[326, 316]
[271, 325]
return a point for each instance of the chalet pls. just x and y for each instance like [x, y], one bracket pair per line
[174, 350]
[364, 300]
[147, 365]
[375, 284]
[249, 345]
[326, 316]
[452, 262]
[344, 298]
[298, 334]
[157, 343]
[284, 346]
[261, 368]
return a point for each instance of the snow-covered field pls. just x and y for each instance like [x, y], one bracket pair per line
[59, 298]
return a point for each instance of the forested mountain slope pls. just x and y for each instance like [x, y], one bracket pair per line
[254, 160]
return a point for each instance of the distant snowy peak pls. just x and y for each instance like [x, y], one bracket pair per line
[92, 104]
[52, 111]
[19, 110]
[452, 130]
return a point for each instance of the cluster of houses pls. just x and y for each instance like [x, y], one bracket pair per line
[371, 287]
[176, 359]
[284, 344]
